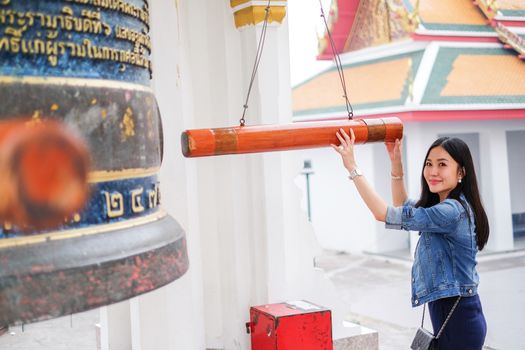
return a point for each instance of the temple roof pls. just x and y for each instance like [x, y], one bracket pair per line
[410, 56]
[367, 85]
[451, 77]
[460, 15]
[475, 76]
[357, 24]
[510, 8]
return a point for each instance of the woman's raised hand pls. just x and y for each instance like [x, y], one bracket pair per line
[394, 153]
[346, 148]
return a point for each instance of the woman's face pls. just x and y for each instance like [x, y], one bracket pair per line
[441, 172]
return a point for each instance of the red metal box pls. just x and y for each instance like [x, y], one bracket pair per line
[295, 325]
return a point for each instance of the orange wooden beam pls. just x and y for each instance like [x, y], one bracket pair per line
[43, 173]
[268, 138]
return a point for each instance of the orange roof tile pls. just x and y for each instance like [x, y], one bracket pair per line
[450, 12]
[365, 84]
[486, 75]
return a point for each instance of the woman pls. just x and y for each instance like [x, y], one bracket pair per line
[453, 226]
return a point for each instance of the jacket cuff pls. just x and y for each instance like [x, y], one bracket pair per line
[394, 218]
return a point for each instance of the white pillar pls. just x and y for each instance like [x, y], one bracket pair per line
[418, 141]
[171, 317]
[496, 188]
[249, 243]
[115, 327]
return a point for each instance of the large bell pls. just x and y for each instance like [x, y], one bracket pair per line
[86, 64]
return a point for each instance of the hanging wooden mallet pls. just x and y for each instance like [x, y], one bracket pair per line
[268, 138]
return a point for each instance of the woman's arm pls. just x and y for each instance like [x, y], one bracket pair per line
[373, 201]
[399, 194]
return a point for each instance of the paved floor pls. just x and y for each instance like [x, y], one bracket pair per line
[378, 292]
[376, 288]
[77, 332]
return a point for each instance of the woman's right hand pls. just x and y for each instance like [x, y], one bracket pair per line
[394, 153]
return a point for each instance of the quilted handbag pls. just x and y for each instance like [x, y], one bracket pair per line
[424, 340]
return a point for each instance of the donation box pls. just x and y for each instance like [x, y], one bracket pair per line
[290, 326]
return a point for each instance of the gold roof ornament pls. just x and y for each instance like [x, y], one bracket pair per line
[488, 7]
[511, 39]
[409, 20]
[333, 15]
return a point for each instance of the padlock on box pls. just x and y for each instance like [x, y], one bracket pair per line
[289, 326]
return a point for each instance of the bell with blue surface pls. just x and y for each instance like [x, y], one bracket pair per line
[85, 64]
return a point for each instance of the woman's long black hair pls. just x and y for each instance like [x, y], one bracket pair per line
[460, 152]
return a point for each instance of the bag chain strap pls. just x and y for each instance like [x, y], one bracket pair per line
[446, 320]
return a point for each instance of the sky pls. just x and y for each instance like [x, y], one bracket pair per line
[304, 22]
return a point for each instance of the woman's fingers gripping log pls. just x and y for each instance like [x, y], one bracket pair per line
[346, 148]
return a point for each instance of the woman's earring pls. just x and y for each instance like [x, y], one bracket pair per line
[459, 181]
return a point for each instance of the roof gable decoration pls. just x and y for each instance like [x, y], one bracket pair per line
[503, 10]
[511, 40]
[488, 7]
[409, 20]
[322, 39]
[379, 22]
[339, 19]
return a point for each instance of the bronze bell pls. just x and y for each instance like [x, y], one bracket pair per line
[83, 68]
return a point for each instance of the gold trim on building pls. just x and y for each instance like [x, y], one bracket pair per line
[74, 233]
[103, 175]
[67, 81]
[332, 17]
[253, 12]
[488, 7]
[409, 20]
[511, 39]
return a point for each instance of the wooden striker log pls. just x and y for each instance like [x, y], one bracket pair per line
[267, 138]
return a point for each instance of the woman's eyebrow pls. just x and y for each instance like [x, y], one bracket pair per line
[438, 160]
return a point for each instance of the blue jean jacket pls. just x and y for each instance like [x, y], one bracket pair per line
[445, 256]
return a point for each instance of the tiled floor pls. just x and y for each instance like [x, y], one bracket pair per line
[376, 288]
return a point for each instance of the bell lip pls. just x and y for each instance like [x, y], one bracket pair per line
[62, 277]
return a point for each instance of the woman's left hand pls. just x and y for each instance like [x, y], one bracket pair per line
[346, 148]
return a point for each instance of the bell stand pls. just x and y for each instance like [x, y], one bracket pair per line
[267, 138]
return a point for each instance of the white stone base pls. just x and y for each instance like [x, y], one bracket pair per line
[358, 338]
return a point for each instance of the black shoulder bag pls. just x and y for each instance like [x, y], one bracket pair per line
[424, 340]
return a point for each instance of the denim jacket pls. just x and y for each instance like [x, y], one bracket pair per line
[445, 256]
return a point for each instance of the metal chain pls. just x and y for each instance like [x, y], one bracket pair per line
[258, 56]
[446, 320]
[338, 65]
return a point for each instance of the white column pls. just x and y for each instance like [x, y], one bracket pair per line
[171, 317]
[248, 240]
[290, 243]
[418, 140]
[496, 188]
[115, 328]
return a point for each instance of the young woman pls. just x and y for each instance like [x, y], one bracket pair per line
[453, 226]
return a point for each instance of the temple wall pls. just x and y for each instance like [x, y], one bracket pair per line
[496, 149]
[249, 242]
[516, 145]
